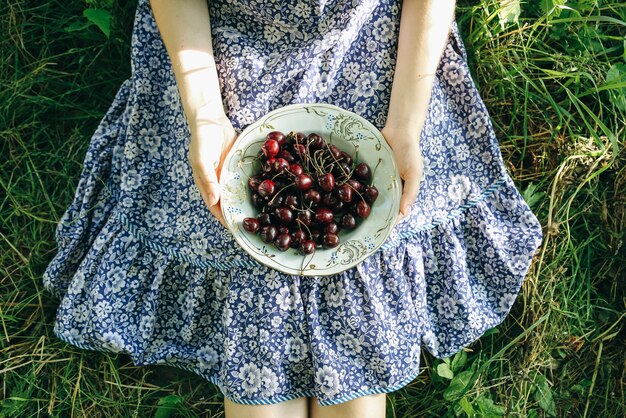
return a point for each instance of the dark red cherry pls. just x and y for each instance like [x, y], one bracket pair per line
[355, 184]
[308, 246]
[331, 228]
[348, 221]
[264, 219]
[300, 137]
[330, 240]
[283, 242]
[257, 201]
[336, 204]
[306, 217]
[347, 158]
[327, 182]
[371, 193]
[251, 225]
[297, 237]
[303, 182]
[363, 171]
[277, 136]
[299, 151]
[316, 235]
[253, 183]
[280, 165]
[344, 193]
[315, 141]
[270, 148]
[296, 169]
[268, 234]
[324, 215]
[363, 209]
[266, 188]
[334, 152]
[344, 169]
[283, 215]
[276, 201]
[292, 201]
[312, 196]
[283, 230]
[286, 155]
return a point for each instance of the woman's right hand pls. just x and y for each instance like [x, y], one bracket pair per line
[212, 136]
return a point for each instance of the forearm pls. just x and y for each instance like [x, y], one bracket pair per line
[424, 28]
[185, 29]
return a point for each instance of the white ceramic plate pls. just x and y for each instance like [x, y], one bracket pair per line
[348, 131]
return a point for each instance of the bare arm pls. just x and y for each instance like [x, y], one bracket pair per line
[185, 29]
[424, 29]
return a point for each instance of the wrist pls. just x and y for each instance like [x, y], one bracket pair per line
[212, 111]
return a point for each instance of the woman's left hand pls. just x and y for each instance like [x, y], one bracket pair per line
[405, 145]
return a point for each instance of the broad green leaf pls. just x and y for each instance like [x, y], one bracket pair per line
[543, 395]
[458, 361]
[457, 385]
[168, 405]
[509, 12]
[443, 370]
[467, 406]
[533, 195]
[488, 408]
[101, 18]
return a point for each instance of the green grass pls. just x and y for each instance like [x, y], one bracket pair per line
[555, 84]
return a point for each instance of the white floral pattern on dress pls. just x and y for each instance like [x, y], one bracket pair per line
[139, 267]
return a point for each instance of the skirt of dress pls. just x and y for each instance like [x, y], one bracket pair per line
[143, 268]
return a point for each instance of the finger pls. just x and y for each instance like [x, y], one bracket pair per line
[207, 179]
[203, 191]
[409, 193]
[216, 210]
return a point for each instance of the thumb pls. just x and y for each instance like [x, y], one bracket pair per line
[209, 183]
[409, 193]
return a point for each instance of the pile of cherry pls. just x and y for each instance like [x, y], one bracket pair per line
[307, 191]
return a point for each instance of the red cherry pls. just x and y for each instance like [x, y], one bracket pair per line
[363, 209]
[296, 169]
[308, 246]
[335, 152]
[303, 182]
[284, 215]
[306, 217]
[283, 242]
[251, 225]
[347, 158]
[253, 183]
[297, 237]
[280, 165]
[315, 141]
[278, 137]
[312, 196]
[287, 156]
[348, 221]
[270, 148]
[331, 228]
[355, 184]
[363, 171]
[330, 240]
[266, 188]
[371, 193]
[264, 219]
[344, 193]
[268, 234]
[327, 182]
[324, 215]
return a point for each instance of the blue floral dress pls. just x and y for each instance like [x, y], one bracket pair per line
[144, 268]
